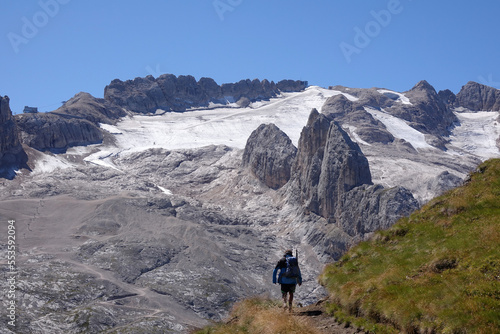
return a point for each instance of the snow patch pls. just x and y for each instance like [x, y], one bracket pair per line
[398, 97]
[400, 129]
[352, 132]
[347, 96]
[110, 128]
[477, 134]
[103, 158]
[48, 163]
[164, 190]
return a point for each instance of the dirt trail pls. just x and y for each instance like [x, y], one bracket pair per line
[317, 316]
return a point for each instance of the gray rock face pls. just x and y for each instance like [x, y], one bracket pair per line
[427, 113]
[332, 179]
[12, 155]
[477, 97]
[57, 132]
[369, 208]
[270, 154]
[447, 96]
[95, 110]
[346, 111]
[328, 164]
[171, 93]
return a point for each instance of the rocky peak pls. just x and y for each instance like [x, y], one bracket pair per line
[269, 153]
[328, 164]
[477, 97]
[447, 96]
[423, 85]
[427, 112]
[12, 155]
[88, 107]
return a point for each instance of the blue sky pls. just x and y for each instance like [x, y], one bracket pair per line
[53, 49]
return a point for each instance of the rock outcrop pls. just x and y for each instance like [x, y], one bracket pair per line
[331, 179]
[478, 97]
[269, 154]
[171, 93]
[57, 132]
[328, 164]
[12, 155]
[421, 107]
[427, 112]
[95, 110]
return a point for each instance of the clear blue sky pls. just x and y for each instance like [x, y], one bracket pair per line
[53, 49]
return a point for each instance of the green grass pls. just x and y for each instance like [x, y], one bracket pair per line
[435, 271]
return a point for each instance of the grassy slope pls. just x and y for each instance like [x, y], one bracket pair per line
[435, 271]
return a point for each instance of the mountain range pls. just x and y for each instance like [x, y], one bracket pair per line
[161, 204]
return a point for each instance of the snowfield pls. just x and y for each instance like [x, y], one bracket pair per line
[400, 129]
[219, 126]
[477, 134]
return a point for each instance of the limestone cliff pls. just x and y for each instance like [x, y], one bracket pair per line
[12, 155]
[331, 180]
[57, 132]
[269, 154]
[477, 97]
[171, 93]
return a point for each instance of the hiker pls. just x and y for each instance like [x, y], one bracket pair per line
[289, 276]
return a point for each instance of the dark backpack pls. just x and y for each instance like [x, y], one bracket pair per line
[292, 267]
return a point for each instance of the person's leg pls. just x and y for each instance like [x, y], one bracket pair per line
[290, 302]
[284, 299]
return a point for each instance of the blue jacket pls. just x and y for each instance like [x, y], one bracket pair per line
[281, 267]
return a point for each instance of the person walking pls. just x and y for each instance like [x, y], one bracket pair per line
[289, 276]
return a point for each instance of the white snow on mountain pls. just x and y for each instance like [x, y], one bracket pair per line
[400, 129]
[477, 134]
[398, 97]
[219, 126]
